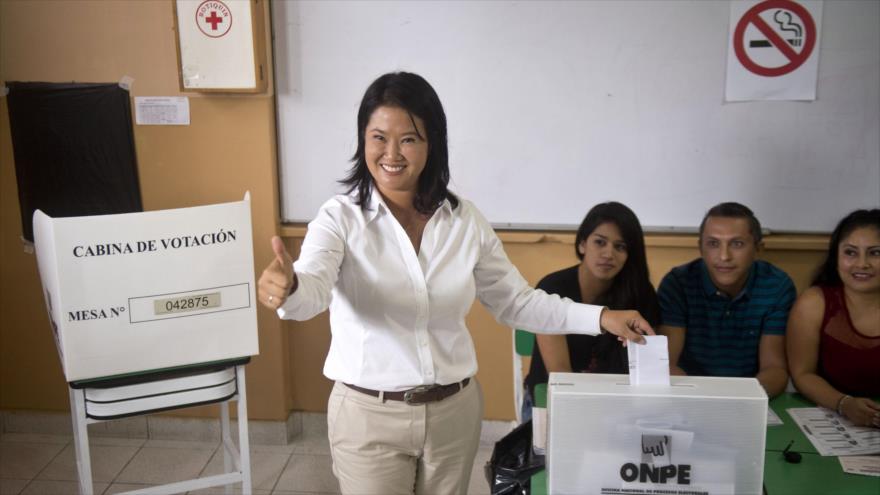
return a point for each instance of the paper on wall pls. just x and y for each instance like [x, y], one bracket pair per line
[156, 110]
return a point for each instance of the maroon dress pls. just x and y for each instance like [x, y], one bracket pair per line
[848, 359]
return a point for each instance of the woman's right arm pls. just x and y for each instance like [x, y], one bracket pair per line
[303, 289]
[554, 352]
[278, 280]
[802, 343]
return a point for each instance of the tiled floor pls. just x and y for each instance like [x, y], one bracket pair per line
[46, 465]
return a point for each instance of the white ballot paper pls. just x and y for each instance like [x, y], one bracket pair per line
[138, 292]
[773, 419]
[649, 363]
[832, 434]
[869, 465]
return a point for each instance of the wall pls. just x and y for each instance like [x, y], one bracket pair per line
[229, 148]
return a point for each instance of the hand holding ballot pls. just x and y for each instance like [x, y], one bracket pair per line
[626, 325]
[278, 280]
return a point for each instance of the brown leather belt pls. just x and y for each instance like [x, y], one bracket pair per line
[418, 395]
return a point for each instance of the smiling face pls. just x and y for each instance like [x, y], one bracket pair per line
[858, 260]
[395, 150]
[728, 249]
[605, 252]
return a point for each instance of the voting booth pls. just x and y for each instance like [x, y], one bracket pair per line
[137, 292]
[696, 436]
[153, 311]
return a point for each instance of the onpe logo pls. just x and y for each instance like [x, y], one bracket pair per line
[656, 465]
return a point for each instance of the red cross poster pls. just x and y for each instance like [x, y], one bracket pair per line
[773, 50]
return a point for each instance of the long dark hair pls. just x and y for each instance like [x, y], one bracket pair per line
[827, 274]
[412, 93]
[631, 288]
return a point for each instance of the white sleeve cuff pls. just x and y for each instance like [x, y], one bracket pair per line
[584, 318]
[287, 310]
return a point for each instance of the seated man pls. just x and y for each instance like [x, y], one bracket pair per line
[725, 313]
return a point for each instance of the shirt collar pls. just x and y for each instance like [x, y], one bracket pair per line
[710, 289]
[376, 204]
[446, 206]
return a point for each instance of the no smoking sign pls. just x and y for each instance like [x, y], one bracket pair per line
[774, 37]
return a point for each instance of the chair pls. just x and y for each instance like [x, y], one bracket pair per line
[523, 344]
[94, 401]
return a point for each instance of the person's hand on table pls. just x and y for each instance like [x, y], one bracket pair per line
[627, 325]
[861, 411]
[278, 279]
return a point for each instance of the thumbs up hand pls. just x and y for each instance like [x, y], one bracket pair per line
[278, 279]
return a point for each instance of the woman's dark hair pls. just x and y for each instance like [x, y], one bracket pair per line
[631, 288]
[827, 274]
[412, 93]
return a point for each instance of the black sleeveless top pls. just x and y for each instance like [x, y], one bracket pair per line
[588, 353]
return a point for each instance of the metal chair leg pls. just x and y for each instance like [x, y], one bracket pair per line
[81, 441]
[244, 445]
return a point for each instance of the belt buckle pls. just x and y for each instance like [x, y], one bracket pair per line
[411, 395]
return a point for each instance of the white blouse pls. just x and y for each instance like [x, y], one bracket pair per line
[397, 318]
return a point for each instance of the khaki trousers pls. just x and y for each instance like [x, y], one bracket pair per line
[389, 448]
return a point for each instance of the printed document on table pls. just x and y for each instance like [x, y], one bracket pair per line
[869, 465]
[773, 419]
[832, 434]
[649, 362]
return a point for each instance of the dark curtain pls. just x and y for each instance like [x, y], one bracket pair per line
[74, 150]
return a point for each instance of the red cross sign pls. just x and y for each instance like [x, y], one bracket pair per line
[213, 18]
[774, 37]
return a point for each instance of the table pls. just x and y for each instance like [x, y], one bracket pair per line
[778, 437]
[815, 475]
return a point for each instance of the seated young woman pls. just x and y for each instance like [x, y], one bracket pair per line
[613, 272]
[834, 327]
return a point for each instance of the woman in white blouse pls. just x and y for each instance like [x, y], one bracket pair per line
[399, 260]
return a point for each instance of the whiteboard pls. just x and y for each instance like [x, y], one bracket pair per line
[553, 107]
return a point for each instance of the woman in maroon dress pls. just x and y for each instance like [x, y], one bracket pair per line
[834, 327]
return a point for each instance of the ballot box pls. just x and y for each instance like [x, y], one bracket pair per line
[696, 436]
[141, 292]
